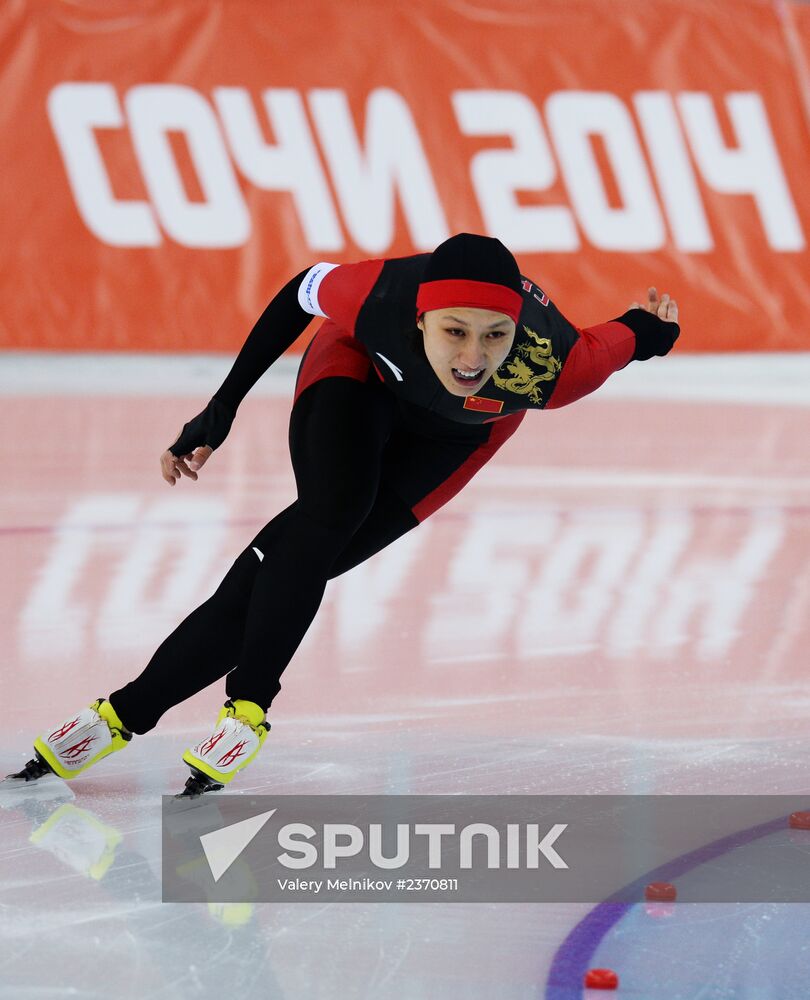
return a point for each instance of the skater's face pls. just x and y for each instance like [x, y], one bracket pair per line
[465, 347]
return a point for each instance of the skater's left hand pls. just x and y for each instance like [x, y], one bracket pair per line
[173, 466]
[664, 308]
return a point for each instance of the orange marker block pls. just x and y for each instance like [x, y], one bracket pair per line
[601, 979]
[660, 892]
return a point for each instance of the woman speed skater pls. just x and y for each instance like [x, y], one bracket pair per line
[422, 367]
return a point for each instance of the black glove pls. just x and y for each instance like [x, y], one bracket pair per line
[654, 336]
[208, 428]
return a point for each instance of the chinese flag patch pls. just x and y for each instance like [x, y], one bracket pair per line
[482, 405]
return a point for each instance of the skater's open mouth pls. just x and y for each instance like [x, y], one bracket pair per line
[469, 379]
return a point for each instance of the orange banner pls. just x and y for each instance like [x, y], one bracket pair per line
[168, 165]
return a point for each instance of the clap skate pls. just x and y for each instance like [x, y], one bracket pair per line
[238, 735]
[76, 744]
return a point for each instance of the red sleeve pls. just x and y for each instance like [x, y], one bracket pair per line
[337, 291]
[600, 351]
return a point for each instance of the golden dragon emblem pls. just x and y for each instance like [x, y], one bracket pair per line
[525, 379]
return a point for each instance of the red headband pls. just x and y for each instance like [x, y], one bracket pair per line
[473, 294]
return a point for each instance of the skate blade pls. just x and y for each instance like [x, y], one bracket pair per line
[35, 770]
[19, 779]
[197, 785]
[182, 804]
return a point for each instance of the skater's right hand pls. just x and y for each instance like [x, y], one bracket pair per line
[173, 466]
[196, 441]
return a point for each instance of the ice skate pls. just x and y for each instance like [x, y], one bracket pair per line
[76, 744]
[238, 735]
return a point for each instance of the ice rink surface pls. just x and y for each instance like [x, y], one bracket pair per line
[618, 603]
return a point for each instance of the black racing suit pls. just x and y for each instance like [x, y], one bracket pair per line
[377, 445]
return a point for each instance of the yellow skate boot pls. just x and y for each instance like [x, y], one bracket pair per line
[78, 743]
[240, 731]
